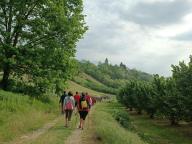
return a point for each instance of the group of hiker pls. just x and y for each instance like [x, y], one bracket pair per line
[80, 103]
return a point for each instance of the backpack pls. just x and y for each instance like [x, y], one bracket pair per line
[69, 105]
[84, 104]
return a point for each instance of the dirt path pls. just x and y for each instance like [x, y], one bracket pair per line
[78, 136]
[75, 137]
[85, 136]
[35, 134]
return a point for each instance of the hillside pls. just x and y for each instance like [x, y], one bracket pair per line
[73, 86]
[106, 77]
[38, 122]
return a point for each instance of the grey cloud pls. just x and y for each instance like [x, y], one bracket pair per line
[157, 13]
[184, 37]
[105, 38]
[113, 33]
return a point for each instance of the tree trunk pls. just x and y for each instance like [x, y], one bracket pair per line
[152, 116]
[174, 122]
[139, 112]
[4, 82]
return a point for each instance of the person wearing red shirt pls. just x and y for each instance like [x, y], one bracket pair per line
[89, 98]
[93, 101]
[77, 98]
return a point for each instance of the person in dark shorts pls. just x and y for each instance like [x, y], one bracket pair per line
[68, 107]
[61, 101]
[83, 108]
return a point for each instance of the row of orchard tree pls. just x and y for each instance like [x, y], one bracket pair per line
[170, 97]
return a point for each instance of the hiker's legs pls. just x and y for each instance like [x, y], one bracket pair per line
[62, 111]
[66, 117]
[81, 123]
[70, 114]
[80, 117]
[83, 115]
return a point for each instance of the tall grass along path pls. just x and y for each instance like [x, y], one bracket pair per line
[35, 134]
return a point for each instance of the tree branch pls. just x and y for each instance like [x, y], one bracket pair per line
[5, 15]
[19, 26]
[1, 41]
[42, 39]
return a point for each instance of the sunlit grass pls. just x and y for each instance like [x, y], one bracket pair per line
[108, 130]
[20, 114]
[76, 87]
[83, 77]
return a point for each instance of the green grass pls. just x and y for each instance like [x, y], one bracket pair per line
[20, 114]
[108, 130]
[76, 87]
[83, 78]
[160, 131]
[57, 134]
[89, 82]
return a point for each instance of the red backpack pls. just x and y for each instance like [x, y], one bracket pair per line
[69, 105]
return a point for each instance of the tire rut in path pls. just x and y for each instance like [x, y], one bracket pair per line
[35, 134]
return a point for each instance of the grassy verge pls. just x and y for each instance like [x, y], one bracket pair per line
[21, 114]
[160, 132]
[107, 129]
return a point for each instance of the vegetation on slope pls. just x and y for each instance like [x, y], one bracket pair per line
[72, 86]
[112, 77]
[107, 129]
[170, 98]
[20, 114]
[88, 81]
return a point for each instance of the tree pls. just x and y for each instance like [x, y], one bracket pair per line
[173, 107]
[123, 66]
[106, 61]
[183, 79]
[169, 97]
[38, 38]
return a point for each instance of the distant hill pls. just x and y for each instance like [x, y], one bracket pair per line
[106, 77]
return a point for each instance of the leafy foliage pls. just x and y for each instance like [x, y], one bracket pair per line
[123, 118]
[183, 83]
[38, 40]
[167, 97]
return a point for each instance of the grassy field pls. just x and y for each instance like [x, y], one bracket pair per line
[88, 81]
[76, 87]
[160, 131]
[21, 114]
[107, 130]
[83, 77]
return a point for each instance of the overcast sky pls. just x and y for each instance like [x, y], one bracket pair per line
[148, 35]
